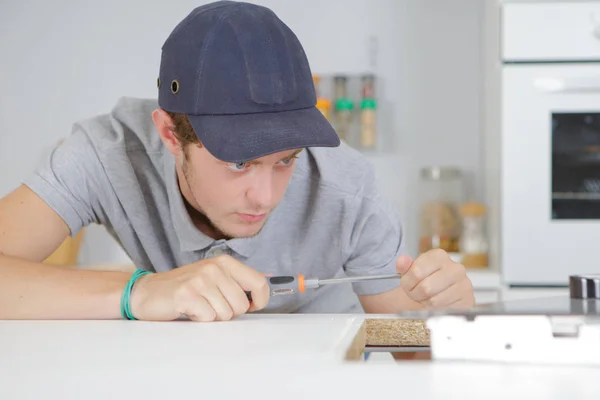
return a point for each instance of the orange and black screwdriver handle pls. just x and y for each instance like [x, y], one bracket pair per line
[283, 285]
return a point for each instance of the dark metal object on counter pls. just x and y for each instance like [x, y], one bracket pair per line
[584, 286]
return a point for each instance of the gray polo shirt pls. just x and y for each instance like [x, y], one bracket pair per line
[114, 170]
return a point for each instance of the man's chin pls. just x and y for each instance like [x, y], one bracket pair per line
[245, 230]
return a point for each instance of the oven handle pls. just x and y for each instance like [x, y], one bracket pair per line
[568, 85]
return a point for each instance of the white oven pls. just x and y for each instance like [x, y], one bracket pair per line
[550, 186]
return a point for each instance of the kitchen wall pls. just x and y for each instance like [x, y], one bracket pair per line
[66, 60]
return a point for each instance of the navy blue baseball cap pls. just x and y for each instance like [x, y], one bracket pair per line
[243, 79]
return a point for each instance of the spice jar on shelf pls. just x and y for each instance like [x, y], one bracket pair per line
[343, 108]
[368, 133]
[441, 195]
[368, 108]
[473, 245]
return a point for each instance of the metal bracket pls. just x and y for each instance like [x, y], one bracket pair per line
[531, 339]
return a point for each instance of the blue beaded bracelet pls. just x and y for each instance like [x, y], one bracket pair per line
[125, 297]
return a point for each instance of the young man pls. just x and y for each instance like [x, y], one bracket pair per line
[234, 174]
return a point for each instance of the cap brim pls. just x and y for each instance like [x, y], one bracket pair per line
[243, 137]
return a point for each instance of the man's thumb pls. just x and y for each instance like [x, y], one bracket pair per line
[403, 264]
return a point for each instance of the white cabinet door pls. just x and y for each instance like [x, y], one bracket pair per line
[550, 172]
[550, 31]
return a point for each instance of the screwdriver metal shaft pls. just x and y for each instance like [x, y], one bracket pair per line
[298, 284]
[315, 283]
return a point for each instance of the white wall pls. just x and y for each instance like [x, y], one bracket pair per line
[69, 60]
[438, 108]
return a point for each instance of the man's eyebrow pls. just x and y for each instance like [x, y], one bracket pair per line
[294, 154]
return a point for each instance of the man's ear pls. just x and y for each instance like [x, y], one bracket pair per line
[164, 126]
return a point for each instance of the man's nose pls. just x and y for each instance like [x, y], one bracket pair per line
[261, 191]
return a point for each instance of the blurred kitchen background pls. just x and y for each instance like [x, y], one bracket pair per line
[480, 116]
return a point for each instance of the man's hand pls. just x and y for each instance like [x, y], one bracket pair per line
[208, 290]
[435, 281]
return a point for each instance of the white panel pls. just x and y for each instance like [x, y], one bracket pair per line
[248, 338]
[300, 357]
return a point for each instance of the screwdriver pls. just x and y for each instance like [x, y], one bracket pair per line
[279, 285]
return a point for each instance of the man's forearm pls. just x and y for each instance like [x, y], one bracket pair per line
[391, 302]
[30, 290]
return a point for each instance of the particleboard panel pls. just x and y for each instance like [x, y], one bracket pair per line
[396, 332]
[357, 347]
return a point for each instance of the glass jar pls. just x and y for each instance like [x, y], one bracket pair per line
[343, 108]
[368, 106]
[473, 240]
[368, 132]
[368, 86]
[441, 194]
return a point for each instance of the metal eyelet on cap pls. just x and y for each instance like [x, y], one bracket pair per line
[175, 86]
[158, 82]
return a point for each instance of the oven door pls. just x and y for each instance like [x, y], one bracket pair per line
[550, 172]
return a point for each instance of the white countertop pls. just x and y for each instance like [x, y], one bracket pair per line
[256, 356]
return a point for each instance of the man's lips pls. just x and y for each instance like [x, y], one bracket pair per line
[251, 217]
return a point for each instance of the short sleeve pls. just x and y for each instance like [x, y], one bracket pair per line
[374, 242]
[65, 181]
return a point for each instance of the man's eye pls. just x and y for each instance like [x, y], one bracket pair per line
[288, 161]
[238, 167]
